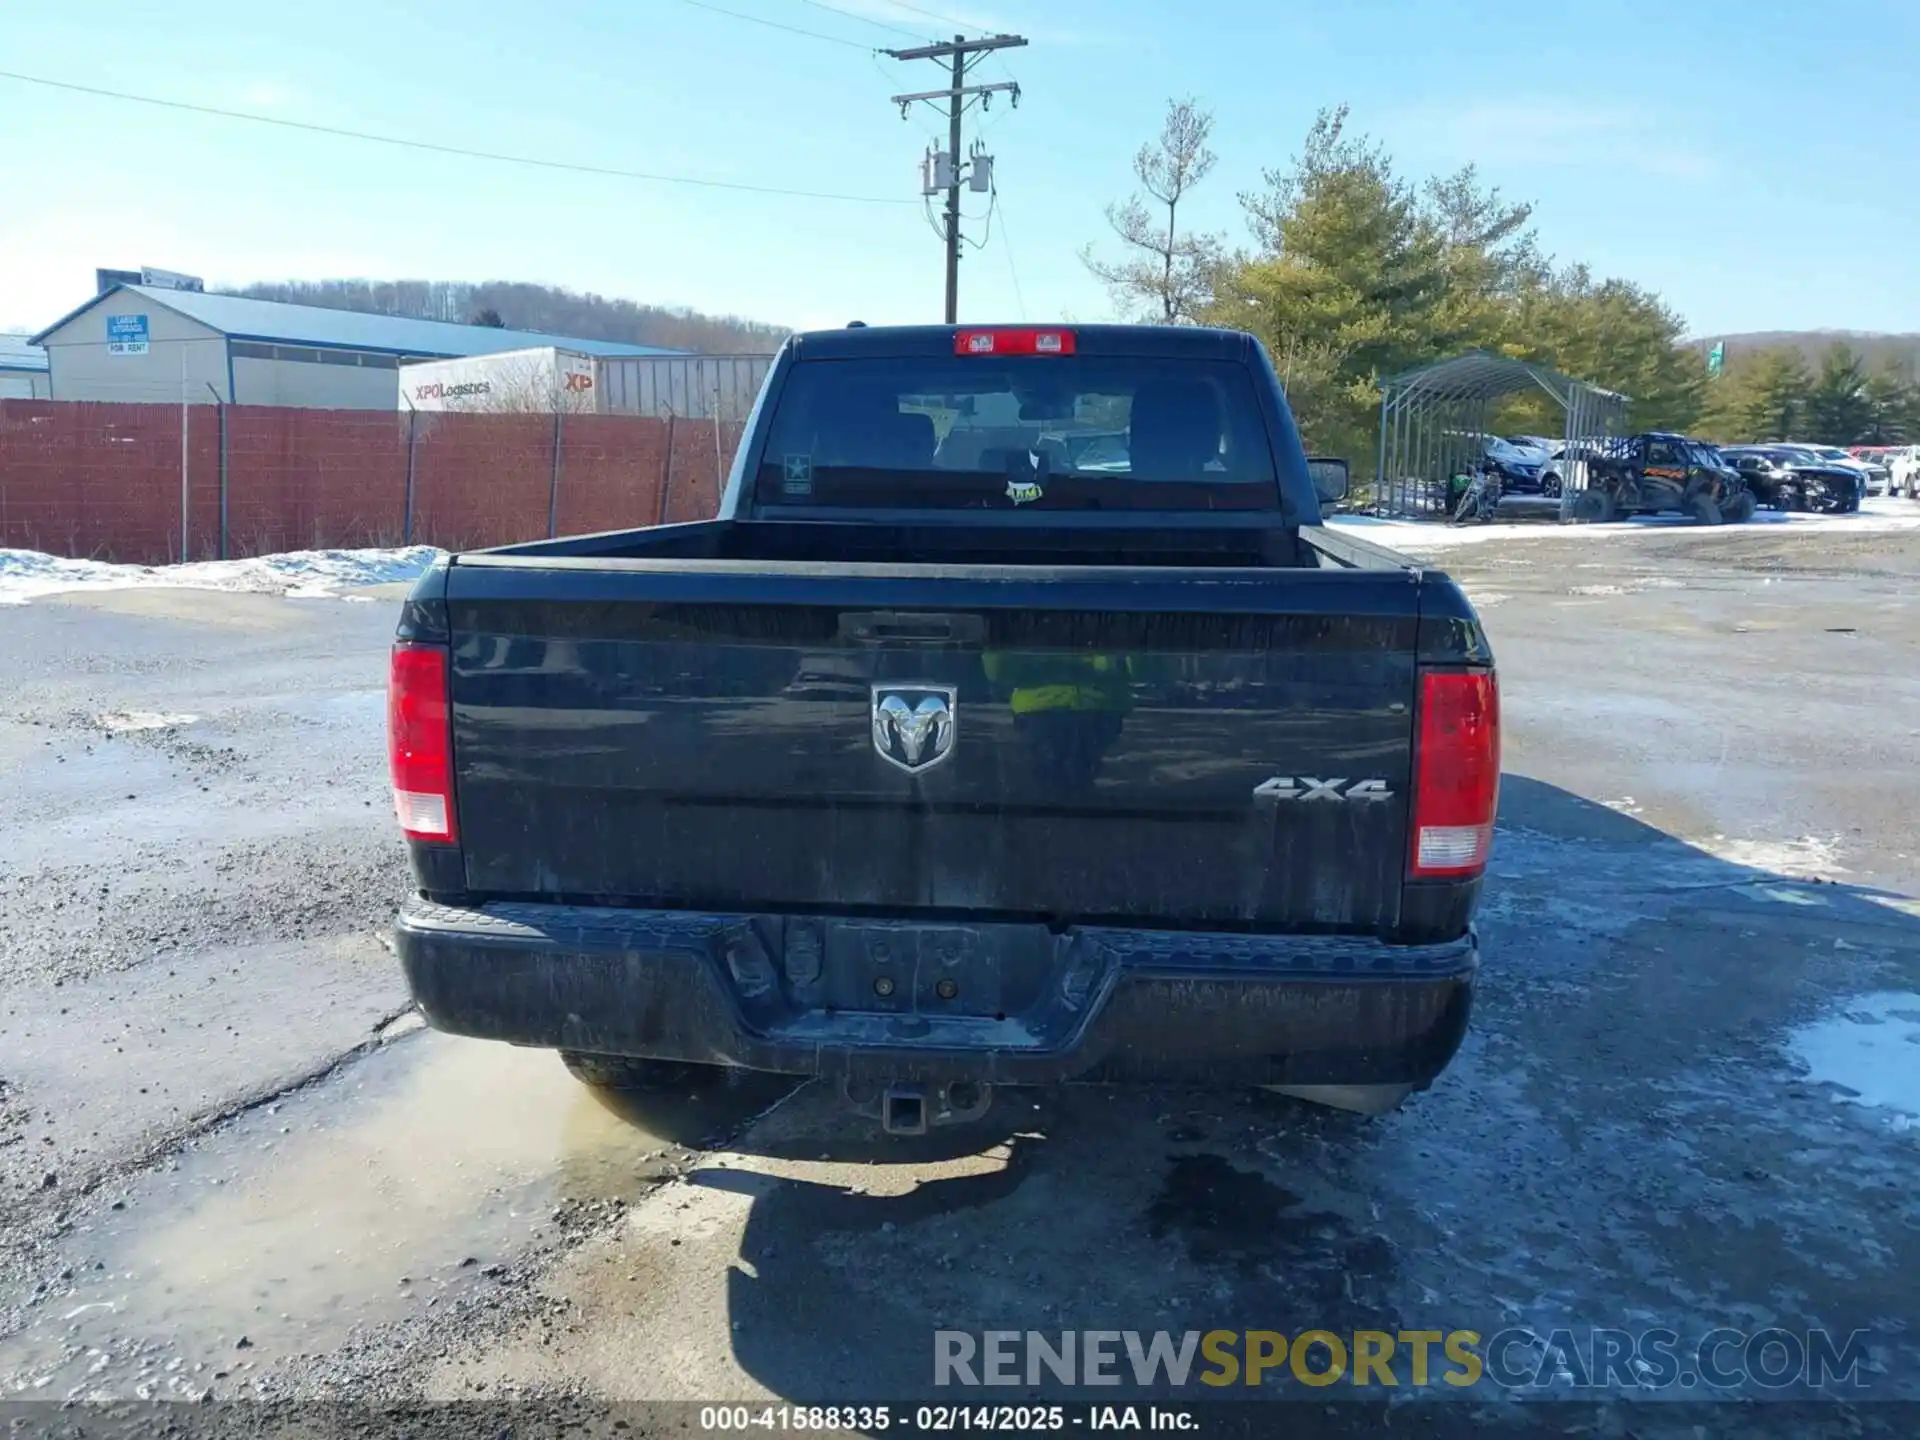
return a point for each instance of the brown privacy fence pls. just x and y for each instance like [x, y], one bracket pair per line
[115, 482]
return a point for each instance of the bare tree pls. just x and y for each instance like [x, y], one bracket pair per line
[542, 308]
[1163, 273]
[519, 385]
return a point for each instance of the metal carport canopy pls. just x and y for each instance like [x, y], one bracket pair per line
[1456, 392]
[1480, 375]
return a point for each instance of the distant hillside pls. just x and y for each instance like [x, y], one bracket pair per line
[545, 308]
[1872, 346]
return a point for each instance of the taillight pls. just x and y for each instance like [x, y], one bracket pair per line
[1013, 342]
[1457, 773]
[420, 742]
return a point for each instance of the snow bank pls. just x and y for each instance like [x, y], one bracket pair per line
[1877, 514]
[300, 574]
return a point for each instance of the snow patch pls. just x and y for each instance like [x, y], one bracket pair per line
[1809, 855]
[300, 574]
[1785, 895]
[123, 721]
[1870, 1047]
[1876, 514]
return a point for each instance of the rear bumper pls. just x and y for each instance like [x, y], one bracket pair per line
[1016, 1004]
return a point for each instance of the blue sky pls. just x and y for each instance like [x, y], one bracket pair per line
[1757, 164]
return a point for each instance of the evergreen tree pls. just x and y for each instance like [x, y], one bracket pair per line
[1893, 402]
[1347, 283]
[1616, 335]
[1838, 411]
[1761, 396]
[1780, 386]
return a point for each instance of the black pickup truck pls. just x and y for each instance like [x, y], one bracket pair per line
[960, 750]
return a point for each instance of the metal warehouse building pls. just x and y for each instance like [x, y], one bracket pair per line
[153, 344]
[23, 369]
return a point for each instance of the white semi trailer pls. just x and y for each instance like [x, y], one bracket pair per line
[537, 381]
[550, 379]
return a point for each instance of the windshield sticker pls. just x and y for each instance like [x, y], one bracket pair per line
[796, 476]
[1021, 491]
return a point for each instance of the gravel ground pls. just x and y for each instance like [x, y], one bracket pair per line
[196, 872]
[1687, 1099]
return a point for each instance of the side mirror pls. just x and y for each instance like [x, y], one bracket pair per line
[1330, 479]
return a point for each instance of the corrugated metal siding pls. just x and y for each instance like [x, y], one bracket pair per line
[183, 357]
[689, 386]
[314, 387]
[17, 354]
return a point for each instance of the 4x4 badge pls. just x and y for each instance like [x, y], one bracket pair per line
[1021, 491]
[1305, 787]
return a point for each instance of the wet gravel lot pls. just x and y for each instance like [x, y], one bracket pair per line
[230, 1162]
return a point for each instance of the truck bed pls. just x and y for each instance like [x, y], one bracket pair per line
[684, 718]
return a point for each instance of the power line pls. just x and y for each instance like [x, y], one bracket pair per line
[916, 10]
[926, 209]
[534, 161]
[989, 122]
[775, 24]
[866, 19]
[1006, 244]
[879, 68]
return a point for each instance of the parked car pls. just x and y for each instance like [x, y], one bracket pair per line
[1788, 479]
[1880, 455]
[1522, 466]
[1658, 471]
[1874, 477]
[632, 841]
[1552, 473]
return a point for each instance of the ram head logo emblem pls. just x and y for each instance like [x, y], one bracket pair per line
[913, 725]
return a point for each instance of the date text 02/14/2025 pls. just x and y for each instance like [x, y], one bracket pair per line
[942, 1419]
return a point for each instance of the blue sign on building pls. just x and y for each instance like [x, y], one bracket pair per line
[126, 334]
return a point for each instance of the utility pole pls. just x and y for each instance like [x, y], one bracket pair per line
[953, 191]
[942, 170]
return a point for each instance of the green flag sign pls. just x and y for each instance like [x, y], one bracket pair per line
[1717, 358]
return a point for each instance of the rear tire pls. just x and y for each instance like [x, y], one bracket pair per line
[1593, 507]
[628, 1073]
[1706, 511]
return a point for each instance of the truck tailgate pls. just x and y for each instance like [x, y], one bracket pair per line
[1219, 747]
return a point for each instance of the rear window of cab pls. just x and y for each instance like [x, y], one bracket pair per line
[1007, 431]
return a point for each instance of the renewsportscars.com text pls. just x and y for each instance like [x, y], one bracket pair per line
[1653, 1359]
